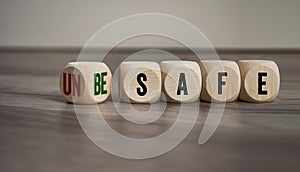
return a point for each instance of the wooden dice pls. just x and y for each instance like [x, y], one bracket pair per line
[140, 82]
[85, 82]
[181, 81]
[260, 80]
[221, 80]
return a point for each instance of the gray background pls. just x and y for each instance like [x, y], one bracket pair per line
[227, 23]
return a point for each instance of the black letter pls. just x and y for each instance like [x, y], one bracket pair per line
[261, 83]
[220, 81]
[182, 85]
[139, 80]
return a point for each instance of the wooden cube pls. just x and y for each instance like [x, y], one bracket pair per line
[181, 81]
[260, 80]
[221, 80]
[140, 82]
[86, 82]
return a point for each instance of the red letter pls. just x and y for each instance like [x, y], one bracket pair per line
[76, 84]
[67, 91]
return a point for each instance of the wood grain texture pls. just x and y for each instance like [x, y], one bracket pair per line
[40, 132]
[85, 82]
[270, 82]
[140, 82]
[221, 80]
[181, 81]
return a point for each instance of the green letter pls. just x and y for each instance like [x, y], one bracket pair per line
[96, 84]
[103, 83]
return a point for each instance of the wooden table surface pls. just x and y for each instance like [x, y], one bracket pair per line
[40, 132]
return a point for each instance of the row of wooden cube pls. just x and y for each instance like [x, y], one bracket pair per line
[173, 81]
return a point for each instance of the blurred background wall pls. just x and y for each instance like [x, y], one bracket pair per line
[227, 23]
